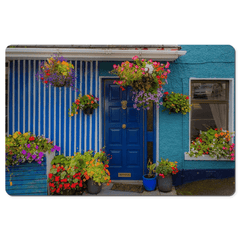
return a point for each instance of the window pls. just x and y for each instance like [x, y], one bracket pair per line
[210, 105]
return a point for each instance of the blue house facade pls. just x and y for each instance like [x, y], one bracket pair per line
[132, 137]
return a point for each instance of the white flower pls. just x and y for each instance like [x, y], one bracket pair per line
[149, 68]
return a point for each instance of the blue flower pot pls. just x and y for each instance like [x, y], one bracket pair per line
[149, 183]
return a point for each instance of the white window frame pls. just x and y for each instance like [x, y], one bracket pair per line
[230, 116]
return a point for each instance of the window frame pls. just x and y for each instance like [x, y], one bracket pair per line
[231, 104]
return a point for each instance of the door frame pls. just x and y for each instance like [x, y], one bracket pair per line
[154, 135]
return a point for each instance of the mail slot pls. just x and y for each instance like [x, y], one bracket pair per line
[124, 174]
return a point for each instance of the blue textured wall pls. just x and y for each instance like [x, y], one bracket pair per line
[199, 62]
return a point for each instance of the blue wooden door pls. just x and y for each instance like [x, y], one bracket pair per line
[123, 134]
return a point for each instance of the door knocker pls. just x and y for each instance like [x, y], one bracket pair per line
[124, 104]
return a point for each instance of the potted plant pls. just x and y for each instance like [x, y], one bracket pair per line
[145, 77]
[213, 143]
[65, 177]
[86, 103]
[97, 169]
[56, 71]
[149, 180]
[165, 169]
[176, 103]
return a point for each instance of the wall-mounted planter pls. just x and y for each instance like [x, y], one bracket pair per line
[88, 111]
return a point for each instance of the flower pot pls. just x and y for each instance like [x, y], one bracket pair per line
[149, 183]
[165, 184]
[93, 187]
[88, 110]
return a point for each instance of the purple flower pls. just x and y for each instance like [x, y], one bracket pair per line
[34, 156]
[24, 152]
[37, 147]
[52, 150]
[28, 155]
[39, 162]
[29, 145]
[40, 154]
[20, 160]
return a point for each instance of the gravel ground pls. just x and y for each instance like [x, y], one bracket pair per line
[208, 187]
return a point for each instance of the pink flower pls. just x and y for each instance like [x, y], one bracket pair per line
[143, 60]
[232, 154]
[162, 175]
[130, 65]
[168, 71]
[122, 69]
[143, 69]
[136, 66]
[223, 148]
[167, 65]
[135, 58]
[143, 73]
[154, 63]
[114, 66]
[150, 60]
[232, 158]
[135, 70]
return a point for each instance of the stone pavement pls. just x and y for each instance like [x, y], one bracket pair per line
[106, 191]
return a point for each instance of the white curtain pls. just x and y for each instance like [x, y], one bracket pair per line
[219, 114]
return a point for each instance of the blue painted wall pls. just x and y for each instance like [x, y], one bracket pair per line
[199, 62]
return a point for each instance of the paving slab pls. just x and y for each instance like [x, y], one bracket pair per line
[106, 191]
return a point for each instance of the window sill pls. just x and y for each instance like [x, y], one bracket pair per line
[205, 158]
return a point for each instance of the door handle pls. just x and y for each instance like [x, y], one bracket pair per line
[124, 126]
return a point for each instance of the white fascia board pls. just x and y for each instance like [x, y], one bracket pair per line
[92, 54]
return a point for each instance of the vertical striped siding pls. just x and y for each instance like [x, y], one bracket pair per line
[43, 110]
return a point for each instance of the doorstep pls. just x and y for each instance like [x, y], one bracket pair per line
[106, 190]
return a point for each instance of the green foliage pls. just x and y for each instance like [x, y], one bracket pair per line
[20, 148]
[151, 166]
[177, 103]
[214, 143]
[165, 167]
[83, 102]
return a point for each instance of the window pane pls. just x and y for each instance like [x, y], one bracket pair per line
[205, 115]
[150, 151]
[209, 91]
[150, 118]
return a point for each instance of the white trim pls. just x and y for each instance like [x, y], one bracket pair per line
[92, 54]
[157, 135]
[230, 116]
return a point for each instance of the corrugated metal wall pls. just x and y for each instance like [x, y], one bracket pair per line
[32, 106]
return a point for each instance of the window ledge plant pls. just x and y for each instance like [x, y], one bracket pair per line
[176, 103]
[56, 71]
[213, 143]
[145, 77]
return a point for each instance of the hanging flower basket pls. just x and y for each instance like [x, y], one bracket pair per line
[176, 103]
[57, 72]
[145, 77]
[86, 103]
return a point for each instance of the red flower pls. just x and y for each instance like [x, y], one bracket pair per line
[64, 180]
[200, 140]
[158, 77]
[57, 178]
[216, 129]
[58, 190]
[60, 185]
[187, 97]
[31, 138]
[50, 175]
[45, 81]
[67, 185]
[42, 78]
[58, 170]
[166, 93]
[80, 184]
[48, 74]
[106, 165]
